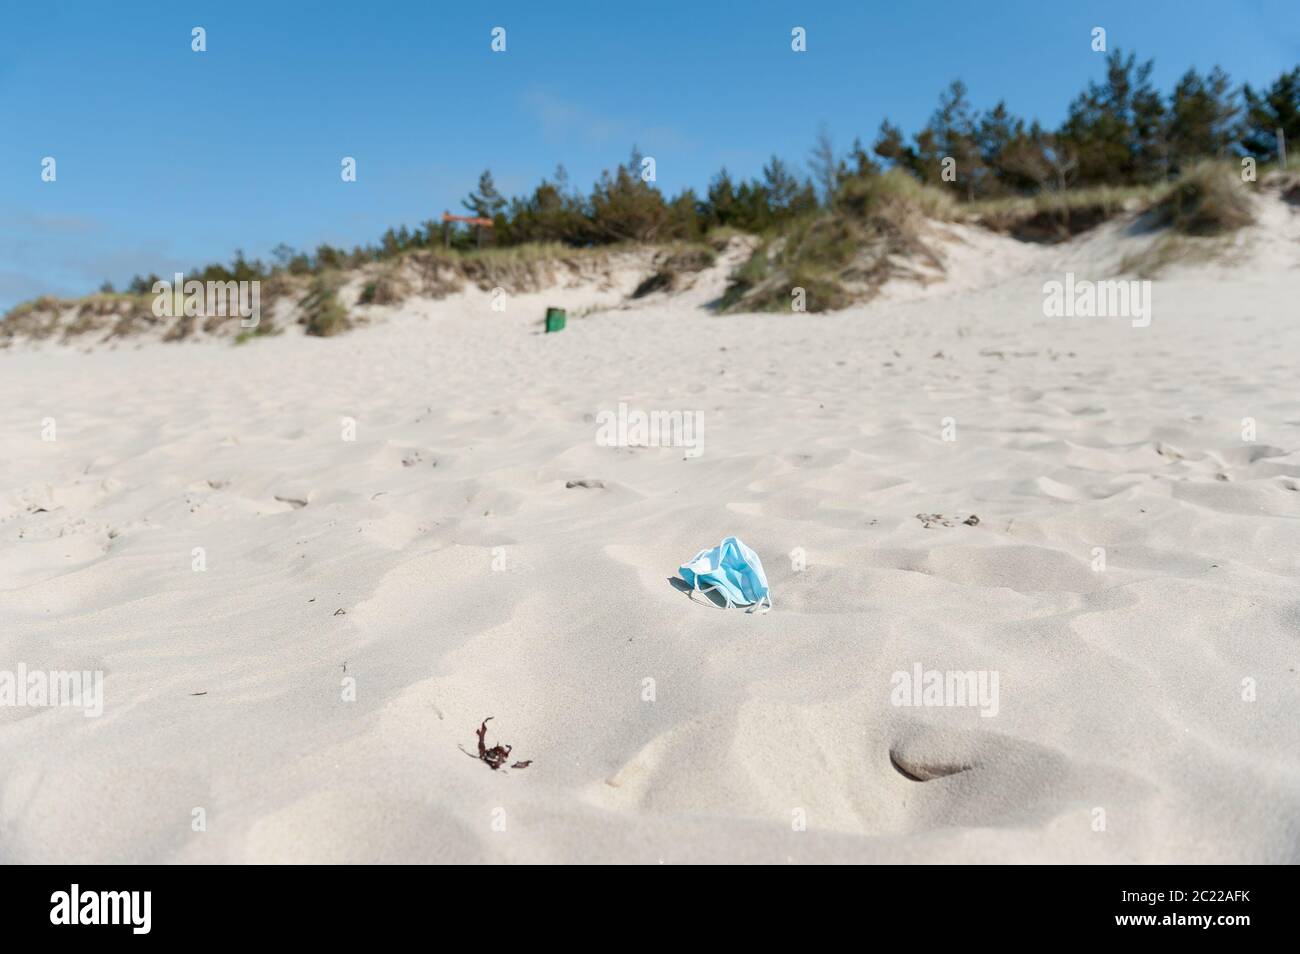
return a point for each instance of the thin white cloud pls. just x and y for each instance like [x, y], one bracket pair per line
[564, 121]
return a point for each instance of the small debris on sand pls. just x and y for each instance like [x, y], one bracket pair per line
[929, 520]
[496, 756]
[587, 483]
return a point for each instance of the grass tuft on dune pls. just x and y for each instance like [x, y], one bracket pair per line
[843, 254]
[322, 313]
[1208, 199]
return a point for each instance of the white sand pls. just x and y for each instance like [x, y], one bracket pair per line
[1119, 690]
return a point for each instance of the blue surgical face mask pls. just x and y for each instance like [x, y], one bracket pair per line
[734, 570]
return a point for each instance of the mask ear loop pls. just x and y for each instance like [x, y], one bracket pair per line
[756, 608]
[696, 589]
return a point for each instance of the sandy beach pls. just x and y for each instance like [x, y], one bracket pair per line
[308, 569]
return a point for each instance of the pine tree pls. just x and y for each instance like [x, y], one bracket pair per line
[893, 148]
[720, 206]
[863, 164]
[487, 202]
[1039, 161]
[998, 131]
[1277, 107]
[782, 187]
[1117, 127]
[827, 171]
[1202, 117]
[954, 137]
[625, 208]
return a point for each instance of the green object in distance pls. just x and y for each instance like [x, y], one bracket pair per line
[554, 319]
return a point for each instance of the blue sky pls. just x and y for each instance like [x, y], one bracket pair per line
[168, 158]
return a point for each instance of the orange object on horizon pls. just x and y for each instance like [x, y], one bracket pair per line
[468, 219]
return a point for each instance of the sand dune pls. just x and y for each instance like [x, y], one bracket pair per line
[440, 561]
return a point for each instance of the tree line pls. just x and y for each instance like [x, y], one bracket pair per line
[1119, 130]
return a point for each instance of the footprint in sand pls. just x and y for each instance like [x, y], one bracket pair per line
[922, 770]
